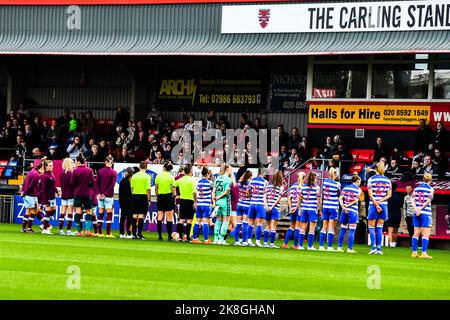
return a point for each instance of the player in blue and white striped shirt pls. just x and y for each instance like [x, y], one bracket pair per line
[379, 188]
[294, 211]
[310, 202]
[204, 205]
[330, 209]
[349, 200]
[422, 196]
[242, 209]
[272, 200]
[256, 190]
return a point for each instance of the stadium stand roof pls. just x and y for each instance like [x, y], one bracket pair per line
[183, 29]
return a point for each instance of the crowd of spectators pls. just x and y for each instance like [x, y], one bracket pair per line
[32, 137]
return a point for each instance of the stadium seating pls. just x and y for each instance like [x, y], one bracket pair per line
[362, 155]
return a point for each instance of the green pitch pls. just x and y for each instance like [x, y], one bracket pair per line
[35, 266]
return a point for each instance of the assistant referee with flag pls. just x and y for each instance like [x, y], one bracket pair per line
[141, 189]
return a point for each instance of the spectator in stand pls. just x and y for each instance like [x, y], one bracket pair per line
[81, 119]
[23, 111]
[22, 150]
[328, 148]
[284, 155]
[393, 169]
[155, 148]
[162, 126]
[52, 153]
[211, 120]
[31, 138]
[343, 157]
[423, 135]
[63, 125]
[103, 149]
[95, 160]
[73, 124]
[125, 156]
[396, 154]
[282, 136]
[159, 158]
[305, 148]
[441, 161]
[16, 129]
[45, 129]
[7, 139]
[53, 133]
[258, 125]
[190, 125]
[88, 129]
[122, 117]
[123, 141]
[295, 139]
[380, 150]
[75, 148]
[296, 163]
[38, 129]
[428, 166]
[419, 157]
[243, 120]
[412, 173]
[36, 153]
[441, 138]
[337, 140]
[395, 215]
[408, 212]
[167, 152]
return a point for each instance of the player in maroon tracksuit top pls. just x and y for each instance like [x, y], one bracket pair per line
[105, 182]
[82, 180]
[66, 197]
[29, 193]
[48, 192]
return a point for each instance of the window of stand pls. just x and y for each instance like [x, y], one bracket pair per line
[339, 81]
[393, 76]
[400, 81]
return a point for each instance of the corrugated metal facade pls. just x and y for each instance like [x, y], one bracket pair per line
[181, 29]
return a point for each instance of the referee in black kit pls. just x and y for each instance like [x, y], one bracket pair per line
[141, 188]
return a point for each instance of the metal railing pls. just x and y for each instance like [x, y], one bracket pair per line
[6, 208]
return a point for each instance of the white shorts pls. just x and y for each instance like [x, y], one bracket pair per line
[30, 202]
[106, 203]
[67, 202]
[233, 214]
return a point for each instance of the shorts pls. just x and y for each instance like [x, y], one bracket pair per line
[348, 218]
[422, 221]
[375, 215]
[273, 215]
[394, 220]
[187, 210]
[106, 203]
[233, 213]
[308, 216]
[293, 216]
[256, 211]
[203, 212]
[83, 202]
[241, 211]
[223, 209]
[165, 202]
[30, 202]
[329, 214]
[140, 204]
[67, 202]
[50, 203]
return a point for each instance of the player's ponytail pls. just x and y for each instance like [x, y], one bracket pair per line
[247, 175]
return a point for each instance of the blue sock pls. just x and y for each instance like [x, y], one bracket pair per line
[206, 231]
[372, 237]
[330, 239]
[425, 242]
[341, 236]
[323, 234]
[195, 232]
[288, 235]
[244, 231]
[415, 243]
[88, 222]
[351, 238]
[310, 239]
[273, 234]
[379, 236]
[258, 233]
[296, 236]
[236, 231]
[249, 232]
[301, 238]
[266, 236]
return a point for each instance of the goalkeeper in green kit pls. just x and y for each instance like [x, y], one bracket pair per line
[222, 204]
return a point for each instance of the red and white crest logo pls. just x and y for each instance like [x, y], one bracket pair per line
[264, 16]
